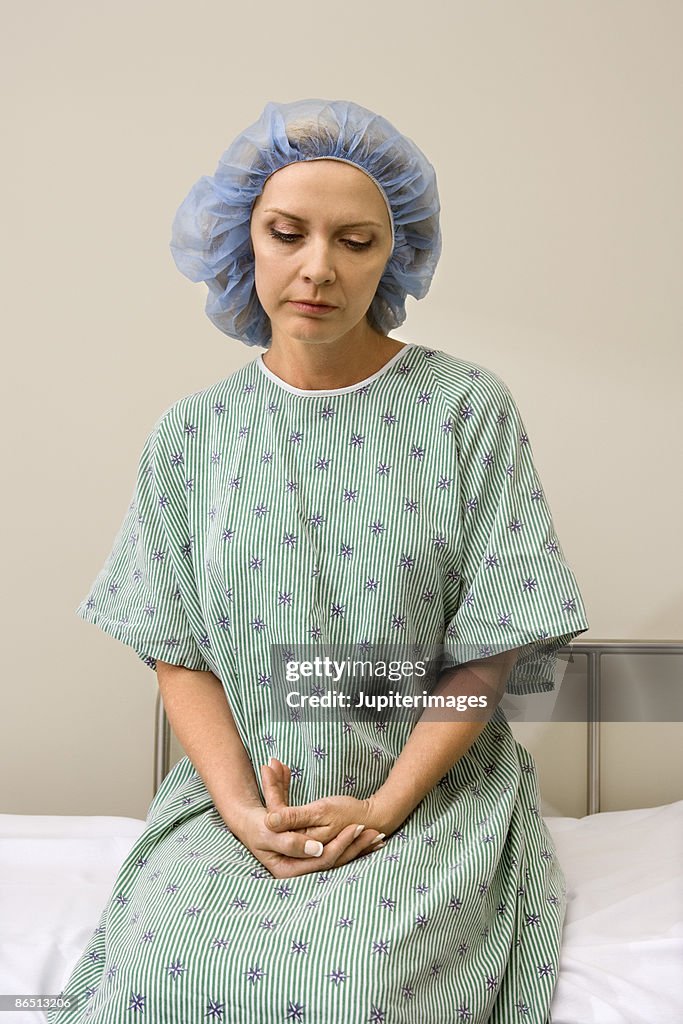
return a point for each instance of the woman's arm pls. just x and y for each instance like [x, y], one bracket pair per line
[197, 708]
[434, 746]
[199, 713]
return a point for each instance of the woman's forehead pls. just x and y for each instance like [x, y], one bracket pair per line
[299, 188]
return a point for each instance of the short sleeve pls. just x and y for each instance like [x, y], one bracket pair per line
[137, 597]
[516, 588]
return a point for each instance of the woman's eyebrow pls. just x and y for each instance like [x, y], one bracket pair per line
[356, 224]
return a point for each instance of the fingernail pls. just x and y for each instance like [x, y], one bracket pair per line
[377, 846]
[313, 848]
[380, 836]
[358, 831]
[275, 819]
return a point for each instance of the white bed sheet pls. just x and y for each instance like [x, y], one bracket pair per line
[622, 952]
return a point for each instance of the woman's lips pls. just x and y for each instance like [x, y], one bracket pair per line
[307, 307]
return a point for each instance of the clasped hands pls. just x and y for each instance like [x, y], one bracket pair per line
[297, 840]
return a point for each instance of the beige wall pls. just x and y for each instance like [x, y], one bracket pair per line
[555, 132]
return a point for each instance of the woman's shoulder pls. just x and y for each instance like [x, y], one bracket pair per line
[464, 381]
[189, 413]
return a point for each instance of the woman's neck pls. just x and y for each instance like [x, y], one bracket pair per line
[318, 366]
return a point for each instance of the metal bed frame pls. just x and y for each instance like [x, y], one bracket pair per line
[594, 650]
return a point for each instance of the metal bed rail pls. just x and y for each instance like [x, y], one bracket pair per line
[594, 650]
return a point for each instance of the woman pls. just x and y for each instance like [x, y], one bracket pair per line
[343, 492]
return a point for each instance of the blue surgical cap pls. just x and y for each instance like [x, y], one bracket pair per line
[210, 239]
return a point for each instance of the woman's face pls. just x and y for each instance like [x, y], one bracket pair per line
[320, 232]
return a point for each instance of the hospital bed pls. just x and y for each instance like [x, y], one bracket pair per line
[622, 951]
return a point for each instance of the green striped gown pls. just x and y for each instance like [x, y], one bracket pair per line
[402, 510]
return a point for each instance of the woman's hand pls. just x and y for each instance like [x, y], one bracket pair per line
[285, 853]
[322, 819]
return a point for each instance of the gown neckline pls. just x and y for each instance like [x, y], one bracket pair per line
[306, 392]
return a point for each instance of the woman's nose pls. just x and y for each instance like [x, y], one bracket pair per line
[317, 264]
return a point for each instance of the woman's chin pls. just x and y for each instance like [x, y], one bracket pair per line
[316, 329]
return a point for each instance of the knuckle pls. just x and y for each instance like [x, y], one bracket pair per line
[289, 845]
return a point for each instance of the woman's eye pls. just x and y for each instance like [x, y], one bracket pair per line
[287, 238]
[282, 236]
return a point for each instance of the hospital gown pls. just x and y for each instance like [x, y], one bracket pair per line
[404, 509]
